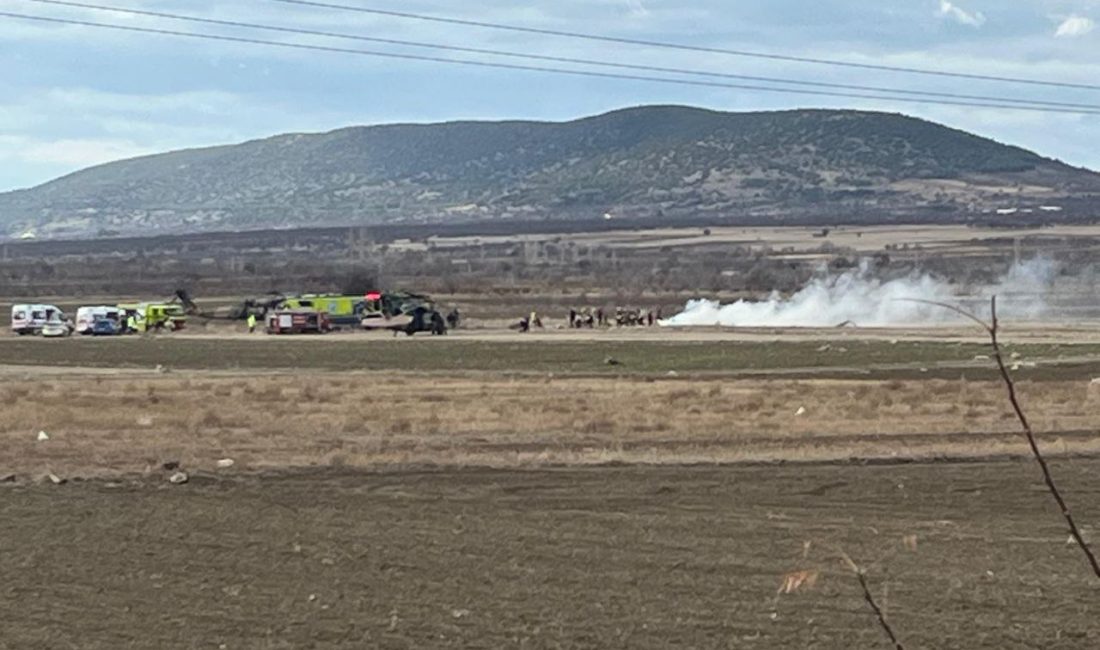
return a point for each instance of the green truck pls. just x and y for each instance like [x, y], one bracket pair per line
[155, 315]
[341, 309]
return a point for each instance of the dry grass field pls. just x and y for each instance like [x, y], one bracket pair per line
[107, 424]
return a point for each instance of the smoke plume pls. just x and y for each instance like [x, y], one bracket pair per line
[858, 297]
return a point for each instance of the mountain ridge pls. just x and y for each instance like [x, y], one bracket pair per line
[650, 161]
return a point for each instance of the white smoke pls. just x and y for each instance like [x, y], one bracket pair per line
[1026, 291]
[859, 298]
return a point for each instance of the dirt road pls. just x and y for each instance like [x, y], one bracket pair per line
[637, 557]
[1069, 331]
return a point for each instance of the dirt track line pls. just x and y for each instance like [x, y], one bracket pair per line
[56, 367]
[399, 473]
[772, 442]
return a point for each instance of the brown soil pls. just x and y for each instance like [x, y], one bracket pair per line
[628, 557]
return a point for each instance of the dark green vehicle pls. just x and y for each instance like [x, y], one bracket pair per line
[401, 311]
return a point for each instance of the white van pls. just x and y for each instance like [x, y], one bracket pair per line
[30, 319]
[87, 316]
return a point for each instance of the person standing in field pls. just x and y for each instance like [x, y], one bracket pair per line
[251, 323]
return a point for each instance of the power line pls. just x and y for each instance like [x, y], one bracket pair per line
[690, 48]
[559, 59]
[544, 69]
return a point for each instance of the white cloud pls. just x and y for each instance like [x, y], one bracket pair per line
[637, 8]
[46, 132]
[960, 15]
[90, 100]
[79, 152]
[1075, 26]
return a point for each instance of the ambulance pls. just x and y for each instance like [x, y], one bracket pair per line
[31, 318]
[87, 316]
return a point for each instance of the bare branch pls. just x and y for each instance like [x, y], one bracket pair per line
[870, 599]
[955, 308]
[993, 329]
[1010, 385]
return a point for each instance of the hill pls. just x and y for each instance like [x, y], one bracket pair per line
[659, 161]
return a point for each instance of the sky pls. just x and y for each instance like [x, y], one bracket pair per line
[75, 96]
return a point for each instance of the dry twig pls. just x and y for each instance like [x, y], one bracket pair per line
[867, 596]
[992, 329]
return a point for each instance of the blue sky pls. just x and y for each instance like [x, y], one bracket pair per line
[75, 96]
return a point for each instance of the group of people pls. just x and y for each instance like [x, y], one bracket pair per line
[589, 318]
[637, 317]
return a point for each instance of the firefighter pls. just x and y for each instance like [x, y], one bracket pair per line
[251, 322]
[131, 323]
